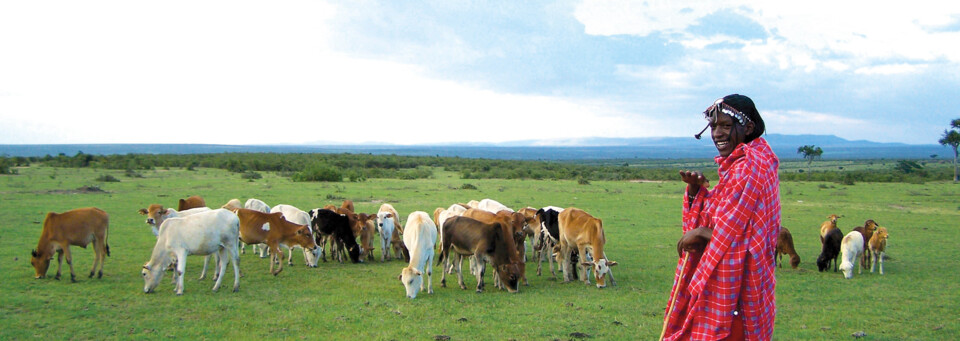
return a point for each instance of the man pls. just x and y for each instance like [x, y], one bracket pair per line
[724, 283]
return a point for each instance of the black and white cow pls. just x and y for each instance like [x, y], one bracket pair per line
[329, 223]
[549, 235]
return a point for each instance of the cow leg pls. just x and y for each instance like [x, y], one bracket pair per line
[873, 256]
[203, 273]
[221, 267]
[290, 255]
[278, 258]
[97, 254]
[584, 270]
[428, 269]
[235, 259]
[481, 267]
[69, 258]
[563, 260]
[880, 260]
[460, 272]
[181, 269]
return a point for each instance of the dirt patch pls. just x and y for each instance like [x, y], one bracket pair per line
[898, 207]
[79, 190]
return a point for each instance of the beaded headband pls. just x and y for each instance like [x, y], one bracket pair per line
[719, 106]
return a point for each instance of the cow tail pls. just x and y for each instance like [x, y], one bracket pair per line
[107, 247]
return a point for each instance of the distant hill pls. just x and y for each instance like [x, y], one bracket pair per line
[554, 149]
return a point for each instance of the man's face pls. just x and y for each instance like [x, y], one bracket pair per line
[727, 133]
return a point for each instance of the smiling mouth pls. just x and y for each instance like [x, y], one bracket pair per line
[721, 145]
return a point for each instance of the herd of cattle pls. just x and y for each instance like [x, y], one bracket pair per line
[865, 243]
[482, 231]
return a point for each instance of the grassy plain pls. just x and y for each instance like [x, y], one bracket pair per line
[917, 299]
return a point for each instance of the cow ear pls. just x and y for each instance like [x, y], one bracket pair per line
[147, 267]
[611, 263]
[400, 277]
[586, 263]
[34, 253]
[143, 211]
[417, 272]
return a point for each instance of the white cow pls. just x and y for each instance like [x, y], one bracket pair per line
[394, 238]
[420, 237]
[385, 226]
[204, 233]
[296, 216]
[258, 205]
[850, 249]
[492, 206]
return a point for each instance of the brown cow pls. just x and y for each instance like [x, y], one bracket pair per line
[866, 230]
[785, 247]
[514, 221]
[368, 224]
[191, 202]
[580, 232]
[486, 242]
[156, 214]
[348, 204]
[77, 227]
[281, 231]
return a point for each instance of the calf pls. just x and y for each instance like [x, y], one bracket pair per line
[867, 231]
[395, 239]
[204, 233]
[420, 238]
[281, 232]
[549, 236]
[830, 250]
[368, 227]
[581, 231]
[487, 242]
[828, 225]
[785, 247]
[850, 249]
[878, 247]
[296, 216]
[77, 227]
[191, 202]
[329, 223]
[514, 222]
[156, 214]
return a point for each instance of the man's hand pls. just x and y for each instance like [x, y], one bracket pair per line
[693, 178]
[694, 241]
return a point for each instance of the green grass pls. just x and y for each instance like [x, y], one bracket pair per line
[917, 299]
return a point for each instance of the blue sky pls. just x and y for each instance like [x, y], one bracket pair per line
[246, 72]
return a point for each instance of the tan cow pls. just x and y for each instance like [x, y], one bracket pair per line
[582, 233]
[77, 227]
[233, 205]
[281, 232]
[828, 225]
[191, 202]
[368, 224]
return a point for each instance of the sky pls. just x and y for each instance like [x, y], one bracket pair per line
[430, 72]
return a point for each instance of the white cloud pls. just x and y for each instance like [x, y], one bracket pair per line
[804, 34]
[890, 69]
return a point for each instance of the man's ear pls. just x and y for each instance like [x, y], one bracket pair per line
[748, 129]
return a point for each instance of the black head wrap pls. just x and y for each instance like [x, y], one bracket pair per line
[745, 105]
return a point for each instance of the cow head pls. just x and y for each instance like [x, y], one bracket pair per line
[510, 275]
[869, 226]
[412, 280]
[153, 270]
[833, 219]
[155, 213]
[40, 263]
[304, 238]
[600, 270]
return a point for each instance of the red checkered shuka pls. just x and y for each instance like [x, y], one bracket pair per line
[735, 272]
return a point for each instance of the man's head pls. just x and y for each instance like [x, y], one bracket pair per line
[733, 119]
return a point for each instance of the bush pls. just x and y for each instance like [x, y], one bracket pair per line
[251, 176]
[583, 181]
[468, 186]
[318, 172]
[107, 178]
[130, 173]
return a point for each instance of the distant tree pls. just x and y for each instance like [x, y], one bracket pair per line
[810, 152]
[951, 137]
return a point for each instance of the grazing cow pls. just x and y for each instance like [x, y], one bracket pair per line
[395, 239]
[850, 249]
[368, 227]
[828, 225]
[156, 214]
[257, 205]
[785, 247]
[867, 231]
[281, 232]
[579, 231]
[356, 228]
[486, 242]
[420, 238]
[549, 236]
[296, 216]
[329, 223]
[454, 210]
[830, 250]
[878, 247]
[514, 222]
[492, 206]
[203, 233]
[77, 227]
[191, 202]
